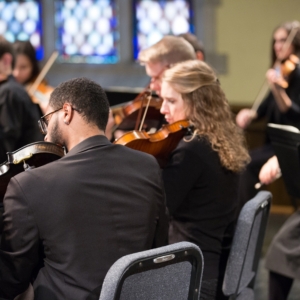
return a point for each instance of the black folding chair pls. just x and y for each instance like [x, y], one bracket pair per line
[246, 248]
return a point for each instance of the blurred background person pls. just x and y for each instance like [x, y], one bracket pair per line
[18, 114]
[26, 70]
[282, 259]
[26, 67]
[281, 106]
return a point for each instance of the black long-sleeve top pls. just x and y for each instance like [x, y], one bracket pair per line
[202, 200]
[270, 110]
[18, 118]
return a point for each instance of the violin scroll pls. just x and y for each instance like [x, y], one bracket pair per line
[28, 157]
[126, 116]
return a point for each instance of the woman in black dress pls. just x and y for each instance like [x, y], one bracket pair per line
[201, 177]
[281, 106]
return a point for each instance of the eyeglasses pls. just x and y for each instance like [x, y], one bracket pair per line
[44, 120]
[159, 75]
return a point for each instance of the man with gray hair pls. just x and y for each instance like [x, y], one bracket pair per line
[160, 56]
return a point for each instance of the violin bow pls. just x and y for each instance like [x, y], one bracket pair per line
[149, 96]
[43, 73]
[142, 94]
[265, 87]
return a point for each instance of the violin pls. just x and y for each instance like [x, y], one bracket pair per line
[28, 157]
[285, 68]
[41, 95]
[39, 91]
[127, 116]
[159, 144]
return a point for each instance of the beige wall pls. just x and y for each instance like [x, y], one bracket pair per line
[243, 32]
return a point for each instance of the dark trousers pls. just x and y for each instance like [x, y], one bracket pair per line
[279, 286]
[211, 289]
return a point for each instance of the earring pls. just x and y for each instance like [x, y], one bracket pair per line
[67, 123]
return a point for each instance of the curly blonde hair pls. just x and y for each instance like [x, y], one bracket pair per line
[209, 112]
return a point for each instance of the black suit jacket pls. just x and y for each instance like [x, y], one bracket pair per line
[98, 203]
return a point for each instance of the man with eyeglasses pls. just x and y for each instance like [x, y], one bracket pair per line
[18, 114]
[96, 204]
[160, 56]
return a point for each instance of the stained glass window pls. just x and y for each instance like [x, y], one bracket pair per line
[87, 31]
[156, 18]
[21, 20]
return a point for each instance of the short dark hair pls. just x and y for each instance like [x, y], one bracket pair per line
[192, 39]
[5, 47]
[86, 96]
[26, 48]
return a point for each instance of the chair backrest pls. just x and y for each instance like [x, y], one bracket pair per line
[170, 272]
[286, 143]
[246, 247]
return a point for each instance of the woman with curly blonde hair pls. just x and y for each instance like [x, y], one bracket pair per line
[201, 177]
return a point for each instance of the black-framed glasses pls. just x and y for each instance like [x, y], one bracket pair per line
[44, 120]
